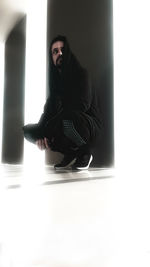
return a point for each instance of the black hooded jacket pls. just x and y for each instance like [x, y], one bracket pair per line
[71, 91]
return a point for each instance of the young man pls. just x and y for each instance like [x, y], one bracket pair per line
[70, 121]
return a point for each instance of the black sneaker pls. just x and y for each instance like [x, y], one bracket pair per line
[67, 161]
[82, 162]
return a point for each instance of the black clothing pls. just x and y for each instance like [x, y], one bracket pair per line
[70, 119]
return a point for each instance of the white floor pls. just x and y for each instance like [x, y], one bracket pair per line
[95, 218]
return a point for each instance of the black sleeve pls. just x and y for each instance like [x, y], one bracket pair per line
[51, 110]
[47, 112]
[33, 132]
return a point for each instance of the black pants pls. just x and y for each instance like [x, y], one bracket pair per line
[70, 133]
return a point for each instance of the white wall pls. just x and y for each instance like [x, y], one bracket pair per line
[132, 85]
[2, 49]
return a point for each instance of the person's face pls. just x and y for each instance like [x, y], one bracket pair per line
[57, 53]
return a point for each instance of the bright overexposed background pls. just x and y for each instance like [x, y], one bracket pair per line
[2, 49]
[132, 85]
[35, 72]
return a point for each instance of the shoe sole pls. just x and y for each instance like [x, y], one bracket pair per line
[65, 167]
[86, 167]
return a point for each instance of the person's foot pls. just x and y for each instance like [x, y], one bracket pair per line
[67, 161]
[82, 162]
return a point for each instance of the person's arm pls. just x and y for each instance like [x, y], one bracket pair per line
[34, 133]
[47, 115]
[47, 112]
[52, 112]
[42, 143]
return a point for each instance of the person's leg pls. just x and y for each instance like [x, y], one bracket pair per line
[55, 137]
[77, 128]
[71, 136]
[65, 146]
[32, 132]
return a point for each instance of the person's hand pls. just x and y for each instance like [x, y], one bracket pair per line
[42, 143]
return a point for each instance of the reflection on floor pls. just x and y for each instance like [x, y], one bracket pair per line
[71, 219]
[13, 176]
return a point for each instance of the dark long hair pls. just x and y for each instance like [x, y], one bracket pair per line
[71, 68]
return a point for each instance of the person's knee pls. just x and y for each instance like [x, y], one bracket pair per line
[32, 132]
